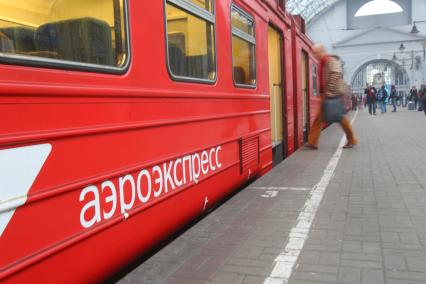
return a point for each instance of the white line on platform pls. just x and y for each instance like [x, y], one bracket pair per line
[281, 188]
[286, 260]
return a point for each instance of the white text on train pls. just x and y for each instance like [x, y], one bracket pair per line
[102, 201]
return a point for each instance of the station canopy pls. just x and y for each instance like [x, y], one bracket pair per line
[308, 9]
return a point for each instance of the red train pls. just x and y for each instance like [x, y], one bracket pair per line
[122, 121]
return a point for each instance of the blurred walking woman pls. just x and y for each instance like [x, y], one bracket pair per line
[393, 97]
[331, 82]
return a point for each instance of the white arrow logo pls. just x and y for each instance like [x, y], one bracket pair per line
[206, 200]
[19, 168]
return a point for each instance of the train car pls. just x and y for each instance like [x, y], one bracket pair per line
[295, 99]
[122, 121]
[305, 84]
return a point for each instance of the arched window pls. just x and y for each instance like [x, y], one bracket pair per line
[378, 7]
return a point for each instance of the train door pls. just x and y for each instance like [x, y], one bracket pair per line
[276, 94]
[305, 96]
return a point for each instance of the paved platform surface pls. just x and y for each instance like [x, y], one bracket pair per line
[370, 226]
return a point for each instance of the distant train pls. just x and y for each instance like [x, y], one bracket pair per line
[121, 121]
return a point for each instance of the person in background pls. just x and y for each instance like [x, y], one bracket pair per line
[398, 99]
[393, 97]
[423, 97]
[414, 96]
[382, 96]
[354, 102]
[364, 99]
[360, 102]
[370, 94]
[331, 83]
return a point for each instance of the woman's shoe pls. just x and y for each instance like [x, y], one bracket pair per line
[311, 146]
[349, 145]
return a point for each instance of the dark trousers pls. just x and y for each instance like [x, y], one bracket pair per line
[372, 108]
[424, 106]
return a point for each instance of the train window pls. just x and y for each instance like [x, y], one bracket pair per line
[79, 34]
[191, 40]
[205, 4]
[281, 4]
[242, 21]
[314, 80]
[243, 48]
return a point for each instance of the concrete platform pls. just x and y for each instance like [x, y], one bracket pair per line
[322, 216]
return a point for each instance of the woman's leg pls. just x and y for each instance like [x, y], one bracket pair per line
[347, 128]
[315, 130]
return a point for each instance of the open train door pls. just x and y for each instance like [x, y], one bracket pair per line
[275, 43]
[305, 96]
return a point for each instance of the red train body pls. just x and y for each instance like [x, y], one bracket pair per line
[99, 167]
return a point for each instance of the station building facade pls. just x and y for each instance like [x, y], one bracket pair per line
[379, 49]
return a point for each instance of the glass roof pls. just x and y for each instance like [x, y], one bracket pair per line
[308, 9]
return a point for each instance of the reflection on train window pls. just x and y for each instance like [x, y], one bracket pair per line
[314, 80]
[205, 4]
[77, 31]
[242, 22]
[190, 39]
[243, 48]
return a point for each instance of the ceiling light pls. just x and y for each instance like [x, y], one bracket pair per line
[414, 30]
